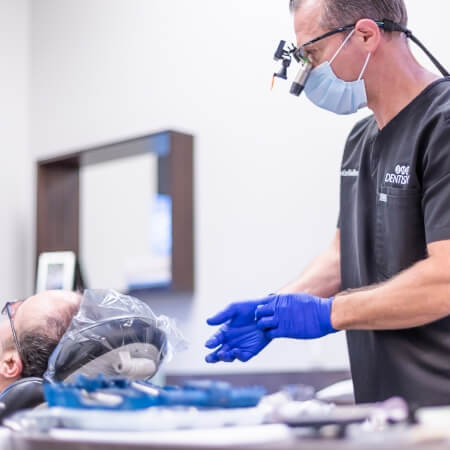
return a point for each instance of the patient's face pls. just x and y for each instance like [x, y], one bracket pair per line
[6, 336]
[6, 341]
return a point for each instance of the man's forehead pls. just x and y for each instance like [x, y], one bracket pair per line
[307, 21]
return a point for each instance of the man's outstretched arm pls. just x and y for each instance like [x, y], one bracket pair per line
[415, 297]
[322, 277]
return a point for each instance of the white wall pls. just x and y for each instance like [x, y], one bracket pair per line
[16, 176]
[267, 164]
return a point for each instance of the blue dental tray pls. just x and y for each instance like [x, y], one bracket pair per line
[121, 394]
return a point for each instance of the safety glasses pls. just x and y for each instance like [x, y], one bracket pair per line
[10, 309]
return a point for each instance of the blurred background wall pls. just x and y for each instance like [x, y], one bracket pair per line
[16, 161]
[267, 164]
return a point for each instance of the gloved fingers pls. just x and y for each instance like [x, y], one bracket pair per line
[228, 334]
[225, 354]
[226, 357]
[265, 310]
[251, 337]
[216, 339]
[238, 313]
[243, 355]
[223, 316]
[267, 323]
[244, 313]
[240, 355]
[212, 357]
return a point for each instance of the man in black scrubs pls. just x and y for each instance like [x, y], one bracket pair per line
[386, 277]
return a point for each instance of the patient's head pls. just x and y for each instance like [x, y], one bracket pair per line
[39, 322]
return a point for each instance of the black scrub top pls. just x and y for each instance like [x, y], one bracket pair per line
[395, 199]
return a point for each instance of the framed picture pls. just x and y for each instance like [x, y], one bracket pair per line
[56, 270]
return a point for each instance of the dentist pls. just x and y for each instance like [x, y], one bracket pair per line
[385, 279]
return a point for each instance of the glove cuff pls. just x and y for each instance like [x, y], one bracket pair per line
[327, 327]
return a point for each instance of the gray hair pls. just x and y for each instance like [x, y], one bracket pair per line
[337, 13]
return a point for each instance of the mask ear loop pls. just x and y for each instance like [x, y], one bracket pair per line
[341, 46]
[365, 66]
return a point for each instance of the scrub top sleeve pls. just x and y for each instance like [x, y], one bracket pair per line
[436, 183]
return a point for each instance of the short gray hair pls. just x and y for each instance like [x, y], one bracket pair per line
[337, 13]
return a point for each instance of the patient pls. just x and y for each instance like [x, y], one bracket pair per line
[35, 327]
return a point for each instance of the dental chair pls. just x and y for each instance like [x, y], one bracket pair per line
[23, 394]
[128, 346]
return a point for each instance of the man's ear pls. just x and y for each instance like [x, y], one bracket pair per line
[10, 365]
[369, 34]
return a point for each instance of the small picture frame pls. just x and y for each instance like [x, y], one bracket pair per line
[56, 270]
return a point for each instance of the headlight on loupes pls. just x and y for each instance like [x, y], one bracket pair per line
[285, 53]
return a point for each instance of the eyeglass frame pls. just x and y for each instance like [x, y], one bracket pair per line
[298, 52]
[7, 309]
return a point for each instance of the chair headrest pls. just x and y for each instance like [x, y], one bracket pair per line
[23, 394]
[99, 347]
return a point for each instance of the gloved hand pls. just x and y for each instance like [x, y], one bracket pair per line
[239, 338]
[299, 316]
[239, 313]
[242, 343]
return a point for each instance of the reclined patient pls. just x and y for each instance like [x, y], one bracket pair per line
[57, 336]
[32, 332]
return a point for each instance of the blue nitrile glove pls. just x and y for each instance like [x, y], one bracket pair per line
[240, 327]
[242, 343]
[298, 316]
[239, 313]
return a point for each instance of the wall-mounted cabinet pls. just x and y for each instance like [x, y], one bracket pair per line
[126, 209]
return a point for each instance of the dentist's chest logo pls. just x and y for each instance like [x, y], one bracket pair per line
[400, 177]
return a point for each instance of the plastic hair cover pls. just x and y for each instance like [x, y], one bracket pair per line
[114, 335]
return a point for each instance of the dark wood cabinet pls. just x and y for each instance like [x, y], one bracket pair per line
[58, 196]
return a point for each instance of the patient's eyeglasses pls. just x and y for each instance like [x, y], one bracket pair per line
[10, 309]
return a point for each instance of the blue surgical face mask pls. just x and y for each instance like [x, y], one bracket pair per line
[329, 92]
